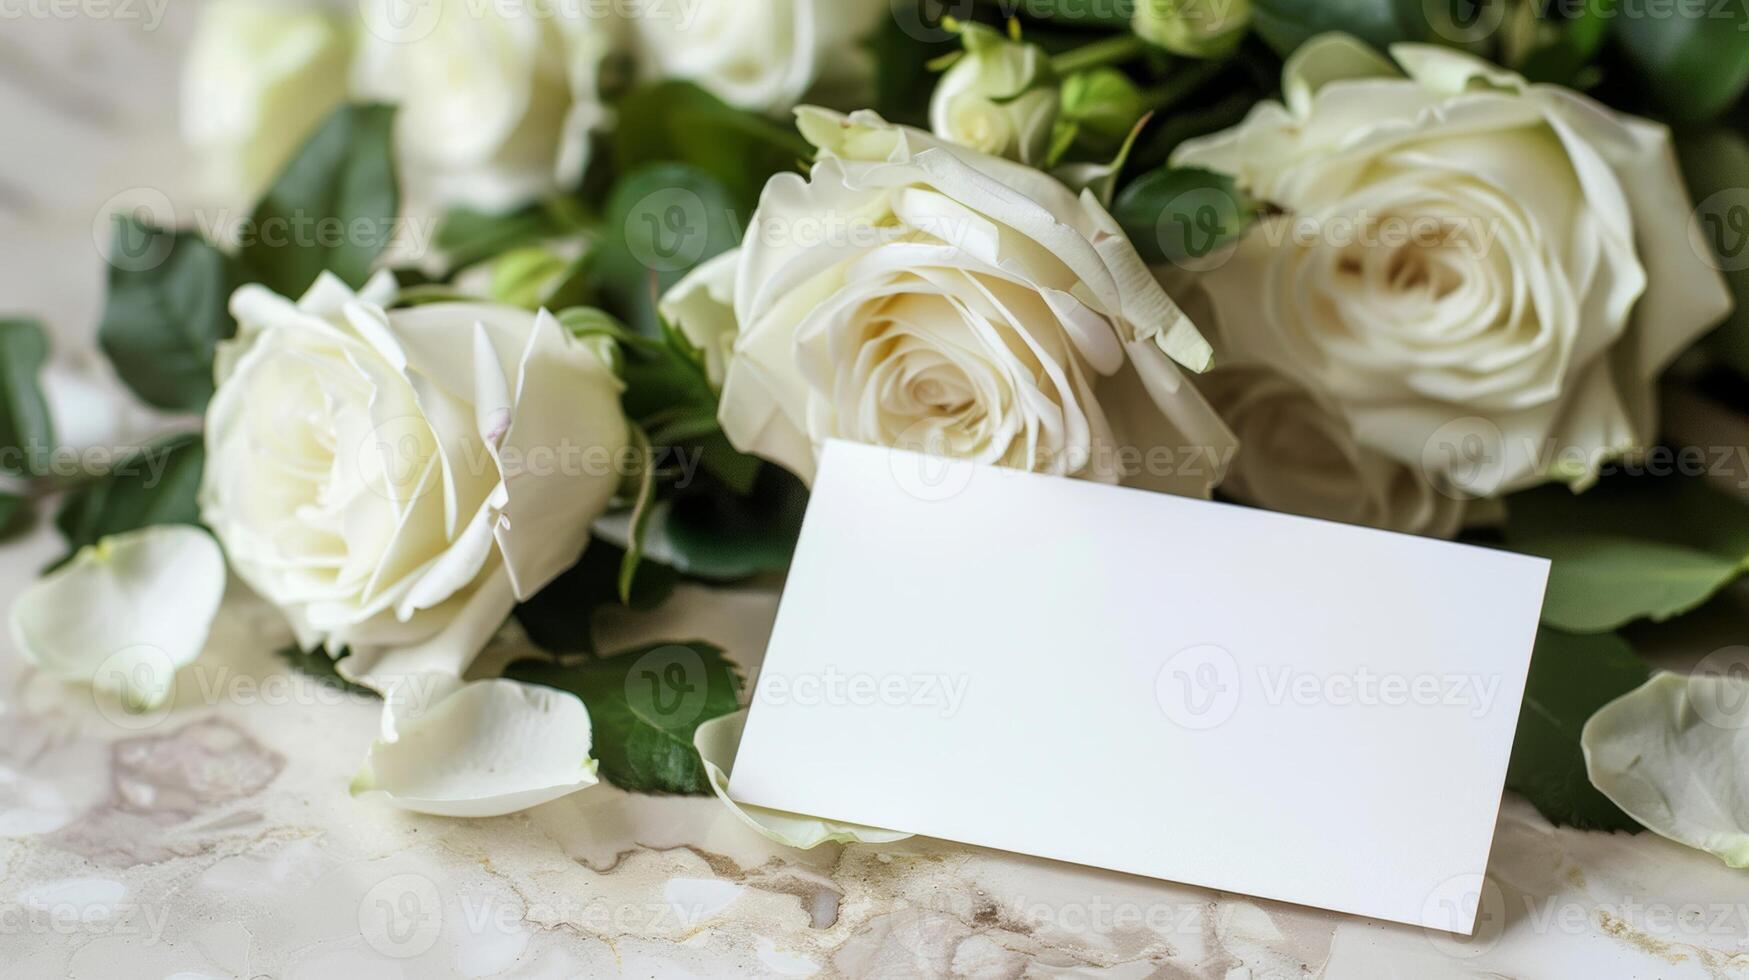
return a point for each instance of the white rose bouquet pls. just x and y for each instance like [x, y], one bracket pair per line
[548, 305]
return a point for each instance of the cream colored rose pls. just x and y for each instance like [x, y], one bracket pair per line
[496, 99]
[396, 480]
[258, 79]
[760, 55]
[1299, 456]
[1483, 277]
[998, 97]
[913, 293]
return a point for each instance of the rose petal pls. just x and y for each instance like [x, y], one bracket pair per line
[489, 748]
[1671, 754]
[125, 613]
[717, 741]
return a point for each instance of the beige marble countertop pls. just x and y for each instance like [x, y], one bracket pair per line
[217, 839]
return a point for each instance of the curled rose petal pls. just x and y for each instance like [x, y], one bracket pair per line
[717, 741]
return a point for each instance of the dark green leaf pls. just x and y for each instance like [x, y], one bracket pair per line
[333, 207]
[1631, 547]
[324, 669]
[661, 221]
[679, 122]
[156, 484]
[1570, 678]
[717, 535]
[643, 707]
[902, 47]
[1716, 165]
[560, 617]
[14, 514]
[1182, 214]
[1286, 24]
[166, 310]
[27, 435]
[1695, 61]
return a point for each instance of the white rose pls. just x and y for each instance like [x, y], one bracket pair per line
[1297, 455]
[259, 78]
[702, 306]
[760, 55]
[496, 100]
[1460, 257]
[997, 98]
[396, 480]
[913, 293]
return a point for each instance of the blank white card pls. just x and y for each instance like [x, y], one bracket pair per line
[1199, 692]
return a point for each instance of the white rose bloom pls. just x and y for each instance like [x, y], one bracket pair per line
[914, 293]
[997, 98]
[1298, 455]
[1460, 250]
[396, 480]
[496, 100]
[760, 55]
[258, 79]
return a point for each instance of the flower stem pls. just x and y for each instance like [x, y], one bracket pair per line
[1183, 82]
[1119, 47]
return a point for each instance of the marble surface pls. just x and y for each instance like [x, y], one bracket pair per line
[217, 839]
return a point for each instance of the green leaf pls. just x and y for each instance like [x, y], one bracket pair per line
[166, 310]
[467, 236]
[14, 509]
[156, 484]
[1695, 66]
[1716, 165]
[661, 221]
[1570, 678]
[644, 705]
[560, 618]
[1180, 214]
[1286, 24]
[316, 664]
[27, 435]
[724, 537]
[333, 207]
[679, 122]
[1632, 547]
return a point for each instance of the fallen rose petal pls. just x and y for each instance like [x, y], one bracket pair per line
[1671, 754]
[126, 613]
[489, 748]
